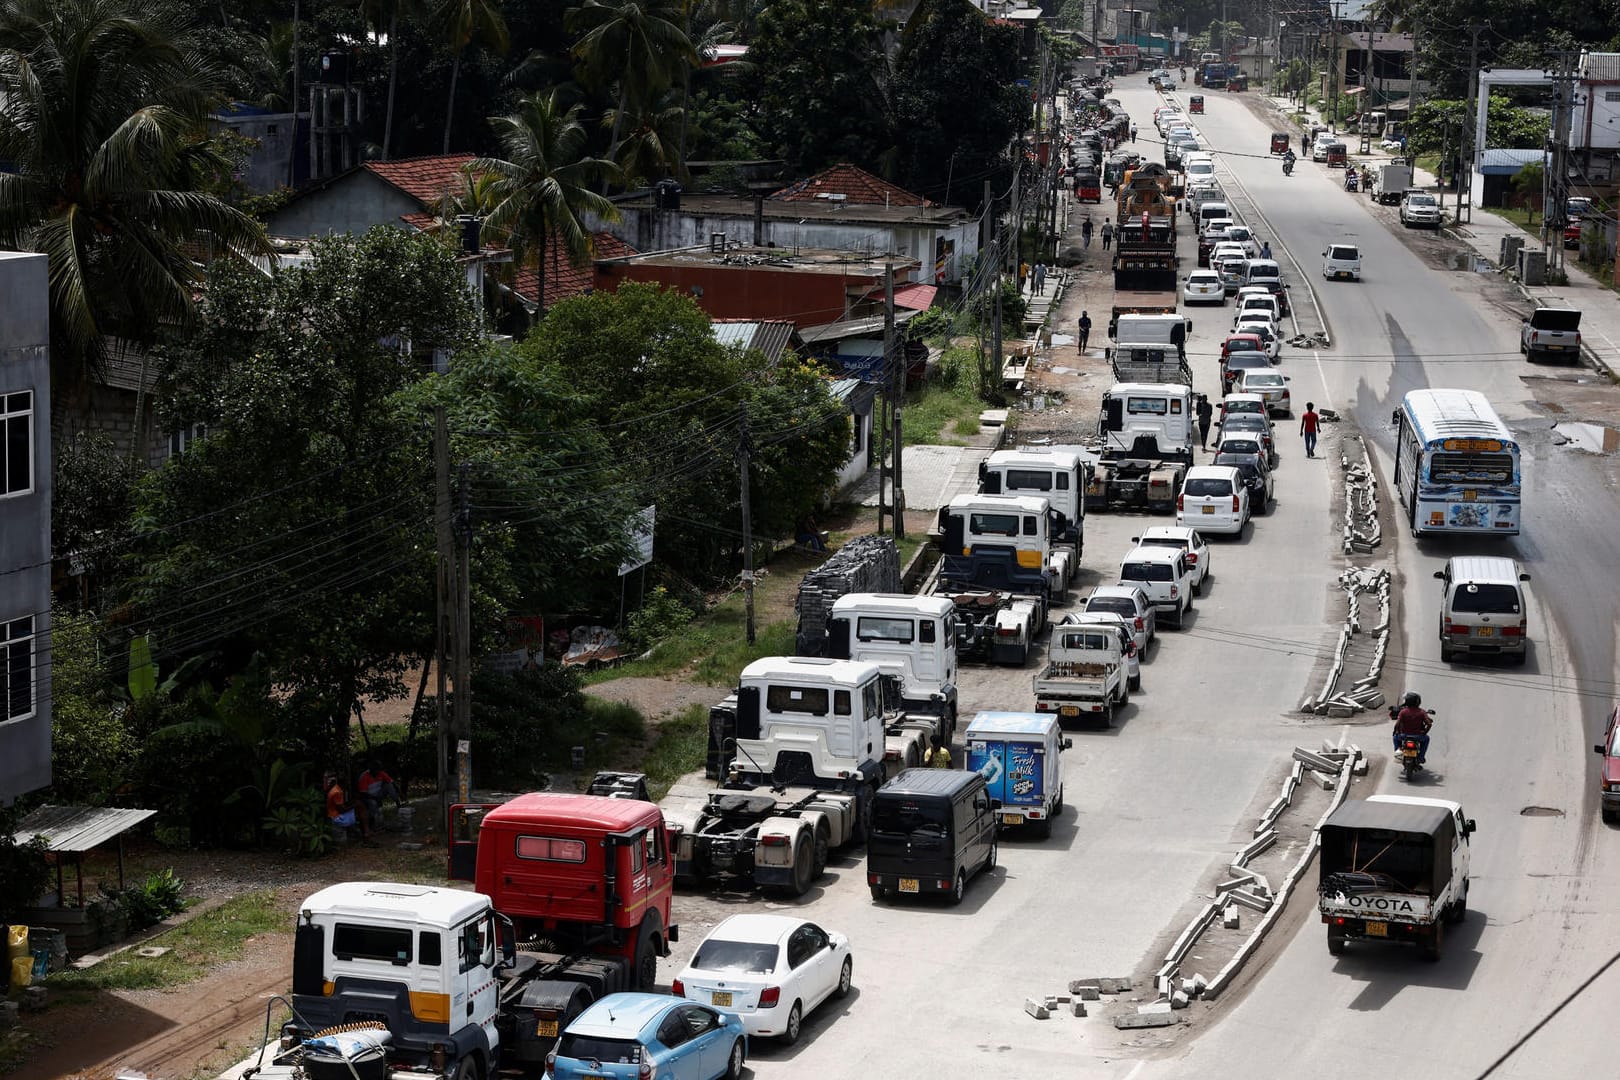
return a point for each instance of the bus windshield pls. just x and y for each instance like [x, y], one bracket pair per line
[1456, 468]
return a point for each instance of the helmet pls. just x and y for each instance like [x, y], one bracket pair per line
[1412, 699]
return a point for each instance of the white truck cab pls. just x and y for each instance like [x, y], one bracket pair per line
[804, 719]
[1161, 410]
[913, 637]
[1004, 542]
[1050, 473]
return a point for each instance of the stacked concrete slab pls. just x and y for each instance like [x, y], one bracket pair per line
[864, 564]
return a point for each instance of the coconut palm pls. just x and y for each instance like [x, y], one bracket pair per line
[542, 183]
[640, 44]
[463, 22]
[649, 147]
[380, 14]
[103, 107]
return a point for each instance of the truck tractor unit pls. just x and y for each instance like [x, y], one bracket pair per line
[1147, 447]
[1056, 474]
[802, 741]
[912, 638]
[573, 904]
[1151, 349]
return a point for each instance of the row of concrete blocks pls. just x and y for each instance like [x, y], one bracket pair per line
[1364, 696]
[1080, 992]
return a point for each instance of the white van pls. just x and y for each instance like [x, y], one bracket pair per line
[1210, 211]
[1482, 608]
[1342, 261]
[1213, 499]
[1165, 575]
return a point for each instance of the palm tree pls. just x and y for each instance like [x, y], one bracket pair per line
[650, 145]
[542, 184]
[379, 12]
[639, 43]
[464, 21]
[103, 107]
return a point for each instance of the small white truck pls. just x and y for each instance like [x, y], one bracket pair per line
[1394, 868]
[1390, 182]
[1085, 676]
[1551, 332]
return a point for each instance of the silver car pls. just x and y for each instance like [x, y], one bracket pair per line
[1133, 605]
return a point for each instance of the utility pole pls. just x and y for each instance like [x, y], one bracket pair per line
[1465, 182]
[1555, 212]
[1333, 70]
[743, 449]
[987, 220]
[444, 563]
[893, 356]
[995, 329]
[462, 705]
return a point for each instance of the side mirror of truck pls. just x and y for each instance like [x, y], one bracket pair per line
[1598, 749]
[1440, 575]
[1469, 827]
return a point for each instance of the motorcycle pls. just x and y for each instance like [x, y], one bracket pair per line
[1409, 751]
[1288, 166]
[1350, 182]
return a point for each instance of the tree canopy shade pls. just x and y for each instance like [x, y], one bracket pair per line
[956, 102]
[819, 83]
[102, 106]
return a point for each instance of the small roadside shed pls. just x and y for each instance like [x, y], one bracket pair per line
[1493, 176]
[70, 831]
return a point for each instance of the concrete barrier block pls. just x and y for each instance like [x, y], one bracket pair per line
[1088, 993]
[1179, 1000]
[1113, 986]
[1189, 987]
[1325, 782]
[1035, 1009]
[1077, 1008]
[1230, 917]
[1250, 900]
[1145, 1020]
[1154, 1008]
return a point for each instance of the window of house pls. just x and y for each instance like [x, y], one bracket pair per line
[17, 668]
[1611, 95]
[182, 440]
[16, 443]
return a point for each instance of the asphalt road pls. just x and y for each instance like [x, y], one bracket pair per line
[1160, 801]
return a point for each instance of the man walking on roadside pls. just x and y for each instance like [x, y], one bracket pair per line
[1206, 413]
[1133, 133]
[1040, 279]
[1085, 330]
[1085, 231]
[1308, 422]
[1107, 234]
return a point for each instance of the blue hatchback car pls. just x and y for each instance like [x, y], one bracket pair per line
[649, 1037]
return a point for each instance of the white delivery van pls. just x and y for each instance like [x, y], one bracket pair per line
[1020, 756]
[1482, 607]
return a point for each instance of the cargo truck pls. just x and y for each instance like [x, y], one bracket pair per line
[1020, 756]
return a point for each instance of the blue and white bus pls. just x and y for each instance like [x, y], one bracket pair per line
[1456, 464]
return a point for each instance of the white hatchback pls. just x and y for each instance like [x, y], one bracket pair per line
[1342, 262]
[1204, 287]
[1213, 499]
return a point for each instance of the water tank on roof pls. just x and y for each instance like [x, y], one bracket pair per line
[335, 68]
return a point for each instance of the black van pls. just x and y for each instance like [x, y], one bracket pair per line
[931, 829]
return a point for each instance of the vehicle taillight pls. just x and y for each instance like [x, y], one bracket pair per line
[1175, 591]
[770, 997]
[551, 1063]
[1235, 506]
[647, 1071]
[1513, 631]
[1138, 622]
[1181, 502]
[1192, 558]
[1006, 631]
[677, 988]
[774, 841]
[1453, 628]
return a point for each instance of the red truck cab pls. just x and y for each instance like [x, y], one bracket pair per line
[585, 873]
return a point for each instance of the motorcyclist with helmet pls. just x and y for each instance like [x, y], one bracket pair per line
[1412, 721]
[1288, 162]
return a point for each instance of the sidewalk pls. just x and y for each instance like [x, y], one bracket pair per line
[1483, 233]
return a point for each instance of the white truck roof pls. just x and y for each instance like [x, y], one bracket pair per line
[1023, 504]
[1414, 800]
[810, 669]
[1174, 389]
[383, 900]
[893, 604]
[1035, 456]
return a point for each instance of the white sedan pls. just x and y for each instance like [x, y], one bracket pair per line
[1204, 287]
[770, 970]
[1184, 538]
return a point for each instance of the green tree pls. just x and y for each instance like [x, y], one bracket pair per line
[650, 375]
[464, 22]
[819, 88]
[102, 124]
[542, 184]
[956, 102]
[300, 528]
[639, 44]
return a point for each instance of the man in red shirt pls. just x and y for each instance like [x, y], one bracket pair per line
[375, 786]
[338, 810]
[1413, 722]
[1308, 423]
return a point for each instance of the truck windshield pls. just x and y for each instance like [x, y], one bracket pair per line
[736, 956]
[910, 817]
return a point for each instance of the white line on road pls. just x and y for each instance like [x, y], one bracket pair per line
[1321, 373]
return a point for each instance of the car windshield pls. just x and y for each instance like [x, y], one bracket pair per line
[736, 956]
[598, 1048]
[910, 817]
[1237, 232]
[1240, 446]
[1207, 486]
[1486, 599]
[1163, 541]
[1242, 344]
[1258, 329]
[1119, 605]
[1344, 253]
[1420, 200]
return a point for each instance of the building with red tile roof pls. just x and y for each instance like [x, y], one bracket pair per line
[852, 185]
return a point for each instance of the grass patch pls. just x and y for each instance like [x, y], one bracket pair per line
[714, 649]
[17, 1046]
[1522, 217]
[196, 945]
[939, 416]
[679, 748]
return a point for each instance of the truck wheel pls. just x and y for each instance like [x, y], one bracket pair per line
[1042, 829]
[646, 971]
[804, 858]
[878, 893]
[819, 867]
[863, 813]
[1335, 943]
[1124, 694]
[1057, 807]
[1435, 947]
[990, 860]
[960, 888]
[1459, 910]
[1136, 683]
[468, 1069]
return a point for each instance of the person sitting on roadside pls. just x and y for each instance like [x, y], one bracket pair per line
[340, 812]
[376, 785]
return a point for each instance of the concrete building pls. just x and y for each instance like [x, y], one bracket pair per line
[25, 527]
[841, 208]
[280, 156]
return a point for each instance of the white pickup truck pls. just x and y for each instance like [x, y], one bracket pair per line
[1551, 332]
[1394, 868]
[1085, 676]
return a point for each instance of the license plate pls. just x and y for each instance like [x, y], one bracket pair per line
[908, 884]
[1012, 819]
[1486, 631]
[1209, 510]
[545, 1029]
[1069, 710]
[1378, 929]
[720, 999]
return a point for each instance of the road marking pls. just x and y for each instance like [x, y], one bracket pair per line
[1140, 1065]
[1321, 373]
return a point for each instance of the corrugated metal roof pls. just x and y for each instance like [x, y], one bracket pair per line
[773, 337]
[1600, 67]
[734, 333]
[1505, 162]
[75, 829]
